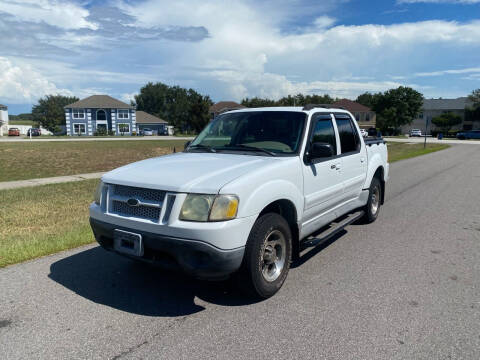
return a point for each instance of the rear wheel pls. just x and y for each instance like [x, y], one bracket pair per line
[267, 256]
[372, 208]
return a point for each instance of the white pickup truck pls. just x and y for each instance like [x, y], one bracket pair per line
[244, 195]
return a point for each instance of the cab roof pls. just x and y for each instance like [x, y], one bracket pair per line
[304, 109]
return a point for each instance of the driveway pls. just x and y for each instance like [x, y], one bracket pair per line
[404, 287]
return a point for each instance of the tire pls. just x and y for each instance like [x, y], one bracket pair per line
[267, 256]
[372, 209]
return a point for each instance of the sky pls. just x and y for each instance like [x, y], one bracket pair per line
[230, 50]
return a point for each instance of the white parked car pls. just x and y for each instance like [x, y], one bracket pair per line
[244, 195]
[415, 132]
[147, 132]
[363, 132]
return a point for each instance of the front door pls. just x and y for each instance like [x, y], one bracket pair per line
[323, 187]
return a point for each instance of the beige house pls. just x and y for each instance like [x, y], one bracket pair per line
[223, 106]
[365, 117]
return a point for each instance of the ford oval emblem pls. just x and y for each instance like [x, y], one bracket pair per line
[132, 202]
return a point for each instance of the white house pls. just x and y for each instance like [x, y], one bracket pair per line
[3, 119]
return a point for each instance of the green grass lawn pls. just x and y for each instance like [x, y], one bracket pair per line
[20, 160]
[42, 220]
[22, 122]
[401, 151]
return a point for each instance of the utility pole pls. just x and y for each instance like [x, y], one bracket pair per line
[426, 126]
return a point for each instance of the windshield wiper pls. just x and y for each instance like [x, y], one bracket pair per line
[248, 148]
[200, 146]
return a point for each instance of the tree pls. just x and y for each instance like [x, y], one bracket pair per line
[50, 113]
[185, 109]
[396, 107]
[368, 99]
[447, 121]
[290, 100]
[258, 102]
[475, 98]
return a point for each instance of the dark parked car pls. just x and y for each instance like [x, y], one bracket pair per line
[34, 131]
[14, 132]
[470, 134]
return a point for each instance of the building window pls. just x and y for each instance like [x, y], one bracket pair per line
[78, 113]
[367, 117]
[123, 128]
[101, 115]
[79, 129]
[123, 114]
[420, 116]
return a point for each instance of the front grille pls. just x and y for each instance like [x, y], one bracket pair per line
[150, 210]
[139, 193]
[143, 212]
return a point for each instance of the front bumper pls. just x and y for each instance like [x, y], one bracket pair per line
[194, 257]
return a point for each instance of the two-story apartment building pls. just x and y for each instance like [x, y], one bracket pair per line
[3, 119]
[435, 107]
[100, 112]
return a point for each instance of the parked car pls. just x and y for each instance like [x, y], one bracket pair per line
[34, 131]
[415, 132]
[244, 195]
[363, 132]
[147, 132]
[14, 132]
[470, 134]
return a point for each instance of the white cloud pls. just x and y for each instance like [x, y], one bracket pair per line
[63, 14]
[23, 84]
[323, 22]
[448, 72]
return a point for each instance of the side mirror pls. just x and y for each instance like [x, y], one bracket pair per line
[186, 145]
[320, 150]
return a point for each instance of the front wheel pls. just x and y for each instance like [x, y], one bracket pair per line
[267, 256]
[372, 208]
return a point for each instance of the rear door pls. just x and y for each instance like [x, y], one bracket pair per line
[353, 156]
[322, 181]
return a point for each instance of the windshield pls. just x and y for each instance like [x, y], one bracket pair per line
[276, 132]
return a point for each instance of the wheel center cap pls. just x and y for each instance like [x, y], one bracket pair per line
[269, 255]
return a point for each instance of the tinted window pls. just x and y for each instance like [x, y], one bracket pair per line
[348, 136]
[324, 132]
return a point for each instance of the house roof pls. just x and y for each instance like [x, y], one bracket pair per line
[225, 106]
[446, 104]
[351, 106]
[146, 118]
[99, 101]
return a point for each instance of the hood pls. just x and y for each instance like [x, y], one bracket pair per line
[187, 172]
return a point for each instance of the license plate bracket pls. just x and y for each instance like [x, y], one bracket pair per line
[127, 242]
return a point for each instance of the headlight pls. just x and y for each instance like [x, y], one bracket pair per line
[97, 197]
[209, 207]
[224, 208]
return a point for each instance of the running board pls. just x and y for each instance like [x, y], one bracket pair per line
[332, 229]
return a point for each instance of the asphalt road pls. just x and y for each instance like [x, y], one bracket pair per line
[404, 287]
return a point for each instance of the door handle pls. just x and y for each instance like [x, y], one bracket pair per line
[362, 160]
[333, 166]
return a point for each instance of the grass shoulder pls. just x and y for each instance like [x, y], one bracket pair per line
[43, 220]
[401, 151]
